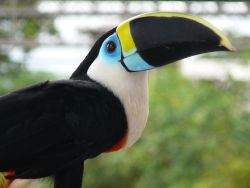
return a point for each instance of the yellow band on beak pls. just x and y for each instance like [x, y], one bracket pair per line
[126, 39]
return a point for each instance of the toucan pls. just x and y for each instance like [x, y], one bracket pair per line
[51, 128]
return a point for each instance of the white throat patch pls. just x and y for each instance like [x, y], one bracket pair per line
[131, 88]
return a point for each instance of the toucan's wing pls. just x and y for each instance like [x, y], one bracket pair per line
[54, 124]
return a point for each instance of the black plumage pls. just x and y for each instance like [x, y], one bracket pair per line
[52, 127]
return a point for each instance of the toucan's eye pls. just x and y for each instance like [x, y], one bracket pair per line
[110, 50]
[111, 46]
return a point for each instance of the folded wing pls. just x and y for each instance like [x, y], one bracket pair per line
[52, 125]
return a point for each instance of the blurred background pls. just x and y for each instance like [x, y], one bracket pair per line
[198, 132]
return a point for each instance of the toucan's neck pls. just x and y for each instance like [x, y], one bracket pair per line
[131, 88]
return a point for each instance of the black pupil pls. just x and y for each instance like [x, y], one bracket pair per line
[111, 46]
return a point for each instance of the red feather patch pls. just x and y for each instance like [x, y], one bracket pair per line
[120, 144]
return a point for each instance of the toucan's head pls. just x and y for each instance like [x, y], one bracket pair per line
[119, 60]
[151, 40]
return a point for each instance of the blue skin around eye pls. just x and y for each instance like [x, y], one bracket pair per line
[115, 56]
[133, 62]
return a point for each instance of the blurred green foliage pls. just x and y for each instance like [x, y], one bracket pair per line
[245, 54]
[31, 28]
[15, 75]
[198, 135]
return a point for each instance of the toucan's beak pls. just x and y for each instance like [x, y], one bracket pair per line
[156, 39]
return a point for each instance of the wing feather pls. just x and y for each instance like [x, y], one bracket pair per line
[49, 125]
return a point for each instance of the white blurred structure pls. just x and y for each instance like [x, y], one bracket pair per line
[199, 68]
[76, 20]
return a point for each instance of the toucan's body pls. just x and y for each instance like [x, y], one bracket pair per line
[49, 129]
[57, 110]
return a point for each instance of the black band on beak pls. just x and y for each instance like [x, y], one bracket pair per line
[163, 40]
